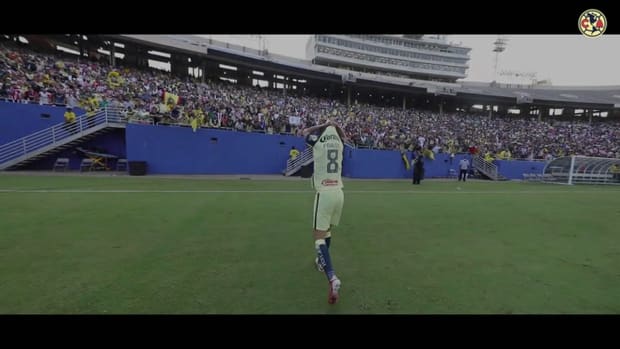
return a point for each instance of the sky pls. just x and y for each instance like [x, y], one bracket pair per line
[565, 60]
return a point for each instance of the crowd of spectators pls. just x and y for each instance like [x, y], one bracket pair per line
[155, 96]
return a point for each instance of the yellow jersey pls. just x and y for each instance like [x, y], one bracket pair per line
[327, 150]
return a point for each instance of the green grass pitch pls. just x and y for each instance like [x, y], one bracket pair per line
[110, 245]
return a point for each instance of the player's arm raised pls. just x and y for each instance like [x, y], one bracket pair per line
[341, 133]
[305, 132]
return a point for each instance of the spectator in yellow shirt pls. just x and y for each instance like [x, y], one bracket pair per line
[294, 153]
[69, 115]
[70, 120]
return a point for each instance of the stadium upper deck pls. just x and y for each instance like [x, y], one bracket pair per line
[602, 97]
[419, 58]
[205, 56]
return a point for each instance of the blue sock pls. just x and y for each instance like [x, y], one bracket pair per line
[324, 258]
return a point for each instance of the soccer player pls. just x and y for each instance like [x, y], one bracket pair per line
[327, 145]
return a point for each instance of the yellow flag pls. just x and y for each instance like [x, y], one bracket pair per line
[406, 161]
[170, 98]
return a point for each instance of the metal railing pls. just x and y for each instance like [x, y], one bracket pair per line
[292, 165]
[488, 168]
[60, 134]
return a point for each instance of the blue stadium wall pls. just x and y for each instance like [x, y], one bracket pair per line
[516, 169]
[366, 163]
[18, 120]
[180, 150]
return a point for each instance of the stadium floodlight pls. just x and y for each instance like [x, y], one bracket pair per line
[582, 170]
[499, 46]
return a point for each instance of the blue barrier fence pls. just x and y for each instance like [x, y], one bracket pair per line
[19, 120]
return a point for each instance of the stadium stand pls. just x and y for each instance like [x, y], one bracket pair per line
[154, 97]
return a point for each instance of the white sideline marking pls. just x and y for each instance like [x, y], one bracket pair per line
[461, 192]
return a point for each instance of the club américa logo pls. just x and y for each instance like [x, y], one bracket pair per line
[592, 23]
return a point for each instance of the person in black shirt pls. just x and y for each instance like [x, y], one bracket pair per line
[418, 169]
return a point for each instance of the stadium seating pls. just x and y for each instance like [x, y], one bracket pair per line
[32, 77]
[61, 164]
[86, 164]
[121, 165]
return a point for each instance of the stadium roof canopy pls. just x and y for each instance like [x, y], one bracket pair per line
[602, 95]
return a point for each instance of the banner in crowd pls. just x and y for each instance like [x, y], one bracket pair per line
[170, 98]
[294, 120]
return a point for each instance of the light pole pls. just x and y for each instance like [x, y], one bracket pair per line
[499, 46]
